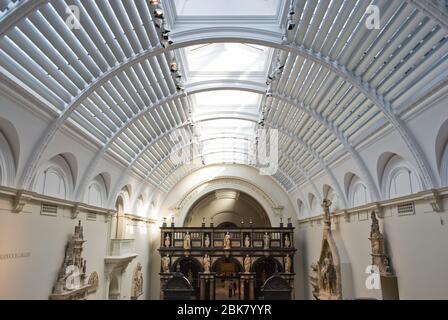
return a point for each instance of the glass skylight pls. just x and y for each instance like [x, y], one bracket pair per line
[227, 7]
[227, 60]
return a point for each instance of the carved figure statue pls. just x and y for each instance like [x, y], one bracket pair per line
[137, 282]
[206, 263]
[166, 264]
[247, 264]
[207, 241]
[247, 241]
[187, 241]
[167, 240]
[266, 240]
[287, 241]
[314, 280]
[227, 244]
[288, 264]
[328, 274]
[379, 256]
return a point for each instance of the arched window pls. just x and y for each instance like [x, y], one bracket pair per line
[300, 211]
[444, 167]
[96, 194]
[140, 208]
[399, 179]
[358, 193]
[54, 179]
[7, 165]
[314, 204]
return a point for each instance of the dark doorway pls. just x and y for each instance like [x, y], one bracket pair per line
[227, 278]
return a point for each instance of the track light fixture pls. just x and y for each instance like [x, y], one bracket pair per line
[291, 25]
[154, 2]
[173, 67]
[158, 13]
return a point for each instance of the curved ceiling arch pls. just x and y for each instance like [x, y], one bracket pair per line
[245, 35]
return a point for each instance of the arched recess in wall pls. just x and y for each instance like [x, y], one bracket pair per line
[9, 152]
[300, 209]
[397, 176]
[125, 196]
[96, 193]
[357, 192]
[441, 150]
[314, 204]
[331, 195]
[140, 206]
[55, 177]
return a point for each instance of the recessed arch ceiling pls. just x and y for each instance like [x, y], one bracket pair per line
[333, 81]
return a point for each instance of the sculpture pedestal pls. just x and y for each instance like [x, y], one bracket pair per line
[247, 286]
[207, 285]
[389, 288]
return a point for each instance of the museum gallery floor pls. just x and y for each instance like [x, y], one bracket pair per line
[223, 150]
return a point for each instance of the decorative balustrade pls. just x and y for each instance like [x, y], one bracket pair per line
[209, 238]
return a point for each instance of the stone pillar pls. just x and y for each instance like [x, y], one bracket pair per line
[247, 279]
[205, 278]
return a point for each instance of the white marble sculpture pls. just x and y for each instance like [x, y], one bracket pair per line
[206, 263]
[227, 243]
[207, 241]
[247, 241]
[187, 241]
[167, 240]
[288, 264]
[266, 240]
[287, 241]
[137, 282]
[166, 264]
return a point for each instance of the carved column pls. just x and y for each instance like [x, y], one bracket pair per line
[247, 279]
[204, 279]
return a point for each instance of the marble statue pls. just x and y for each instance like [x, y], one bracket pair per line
[227, 244]
[137, 282]
[288, 264]
[187, 241]
[247, 264]
[287, 241]
[166, 264]
[167, 240]
[93, 281]
[206, 263]
[379, 256]
[207, 241]
[266, 240]
[247, 241]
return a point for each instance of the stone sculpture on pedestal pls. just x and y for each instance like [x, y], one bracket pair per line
[247, 241]
[167, 240]
[207, 241]
[287, 241]
[288, 264]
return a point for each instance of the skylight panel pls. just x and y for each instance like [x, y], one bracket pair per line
[227, 7]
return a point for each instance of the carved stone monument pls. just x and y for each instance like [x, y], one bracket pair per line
[137, 282]
[379, 256]
[207, 241]
[71, 281]
[388, 289]
[329, 282]
[93, 282]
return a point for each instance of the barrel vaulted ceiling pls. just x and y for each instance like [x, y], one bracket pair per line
[309, 68]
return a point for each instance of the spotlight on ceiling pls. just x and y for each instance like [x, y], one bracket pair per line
[154, 2]
[291, 25]
[173, 67]
[158, 13]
